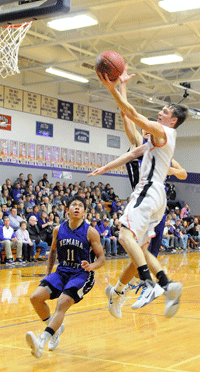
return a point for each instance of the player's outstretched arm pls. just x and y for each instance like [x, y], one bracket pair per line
[177, 170]
[152, 127]
[135, 138]
[52, 254]
[123, 159]
[94, 239]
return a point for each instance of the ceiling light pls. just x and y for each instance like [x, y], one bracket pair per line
[179, 5]
[73, 22]
[66, 75]
[158, 60]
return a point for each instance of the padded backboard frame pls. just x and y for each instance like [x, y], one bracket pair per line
[17, 12]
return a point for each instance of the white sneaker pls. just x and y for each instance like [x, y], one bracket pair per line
[55, 339]
[114, 301]
[36, 344]
[149, 292]
[172, 294]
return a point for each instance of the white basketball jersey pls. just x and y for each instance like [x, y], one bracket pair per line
[156, 160]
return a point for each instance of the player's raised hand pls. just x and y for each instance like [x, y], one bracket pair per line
[124, 78]
[97, 172]
[110, 85]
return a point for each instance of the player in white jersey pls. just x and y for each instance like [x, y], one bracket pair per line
[149, 199]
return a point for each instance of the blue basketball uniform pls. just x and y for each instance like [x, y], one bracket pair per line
[70, 278]
[133, 169]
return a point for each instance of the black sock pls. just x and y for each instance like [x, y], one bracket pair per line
[49, 330]
[162, 278]
[144, 272]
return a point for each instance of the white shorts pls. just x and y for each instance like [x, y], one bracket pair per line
[144, 211]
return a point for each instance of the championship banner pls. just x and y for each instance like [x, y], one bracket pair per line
[85, 158]
[23, 153]
[63, 158]
[31, 154]
[4, 150]
[55, 156]
[14, 152]
[78, 159]
[40, 155]
[48, 155]
[71, 158]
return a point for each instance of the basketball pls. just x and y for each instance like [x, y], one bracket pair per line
[111, 63]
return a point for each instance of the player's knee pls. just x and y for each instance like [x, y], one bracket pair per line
[34, 298]
[62, 304]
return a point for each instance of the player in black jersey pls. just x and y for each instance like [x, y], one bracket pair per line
[76, 244]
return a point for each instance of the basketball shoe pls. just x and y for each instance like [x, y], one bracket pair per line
[55, 339]
[117, 299]
[150, 292]
[37, 344]
[172, 294]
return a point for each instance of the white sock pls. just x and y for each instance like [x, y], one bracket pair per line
[133, 281]
[47, 321]
[119, 286]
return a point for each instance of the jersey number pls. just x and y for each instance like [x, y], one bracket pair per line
[70, 255]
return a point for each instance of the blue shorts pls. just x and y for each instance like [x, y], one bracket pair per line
[70, 282]
[155, 242]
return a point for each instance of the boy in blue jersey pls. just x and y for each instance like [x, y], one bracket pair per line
[74, 277]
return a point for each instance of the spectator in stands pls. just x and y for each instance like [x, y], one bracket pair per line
[21, 210]
[4, 197]
[116, 206]
[56, 197]
[106, 239]
[178, 236]
[193, 234]
[173, 220]
[100, 209]
[107, 187]
[10, 203]
[46, 228]
[27, 205]
[9, 241]
[177, 211]
[93, 223]
[1, 218]
[97, 195]
[185, 235]
[185, 214]
[64, 186]
[32, 200]
[19, 179]
[38, 198]
[29, 190]
[60, 211]
[35, 212]
[37, 189]
[168, 235]
[9, 186]
[23, 187]
[111, 194]
[44, 180]
[115, 229]
[88, 218]
[35, 236]
[27, 245]
[30, 177]
[5, 210]
[17, 193]
[15, 219]
[48, 206]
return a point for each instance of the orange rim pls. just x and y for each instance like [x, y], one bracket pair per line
[17, 26]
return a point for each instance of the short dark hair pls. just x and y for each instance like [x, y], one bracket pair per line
[76, 197]
[180, 112]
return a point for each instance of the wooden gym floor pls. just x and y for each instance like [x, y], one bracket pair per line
[141, 341]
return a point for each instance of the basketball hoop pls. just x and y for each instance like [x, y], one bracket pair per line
[11, 37]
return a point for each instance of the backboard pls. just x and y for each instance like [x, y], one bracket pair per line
[16, 12]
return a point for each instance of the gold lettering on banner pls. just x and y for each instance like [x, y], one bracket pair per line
[49, 107]
[31, 103]
[80, 114]
[95, 117]
[119, 125]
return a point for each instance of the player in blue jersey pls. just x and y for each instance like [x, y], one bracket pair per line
[76, 244]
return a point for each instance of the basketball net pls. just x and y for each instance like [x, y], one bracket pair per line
[10, 39]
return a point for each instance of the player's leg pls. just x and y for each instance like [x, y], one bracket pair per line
[117, 294]
[38, 300]
[172, 290]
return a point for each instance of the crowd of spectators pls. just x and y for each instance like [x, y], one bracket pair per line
[181, 232]
[29, 211]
